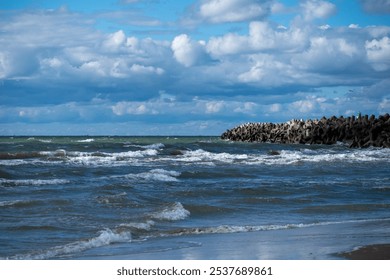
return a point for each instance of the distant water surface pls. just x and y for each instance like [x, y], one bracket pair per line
[64, 197]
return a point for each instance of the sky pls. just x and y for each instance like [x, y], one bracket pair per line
[164, 67]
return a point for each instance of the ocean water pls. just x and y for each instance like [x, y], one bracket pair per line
[102, 197]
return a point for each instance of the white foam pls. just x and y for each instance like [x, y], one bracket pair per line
[15, 162]
[11, 203]
[173, 212]
[288, 157]
[285, 157]
[116, 159]
[223, 229]
[205, 156]
[86, 140]
[32, 182]
[156, 175]
[156, 146]
[105, 238]
[57, 153]
[45, 140]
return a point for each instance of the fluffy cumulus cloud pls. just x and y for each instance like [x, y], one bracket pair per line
[262, 37]
[378, 53]
[217, 11]
[187, 51]
[317, 9]
[56, 67]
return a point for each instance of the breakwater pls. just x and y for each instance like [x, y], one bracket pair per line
[358, 132]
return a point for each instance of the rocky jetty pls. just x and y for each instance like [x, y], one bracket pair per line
[358, 132]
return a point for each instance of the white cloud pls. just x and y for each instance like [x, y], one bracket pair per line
[134, 108]
[187, 51]
[303, 106]
[275, 108]
[378, 53]
[94, 68]
[115, 41]
[269, 71]
[324, 52]
[384, 106]
[353, 26]
[213, 107]
[4, 65]
[317, 9]
[227, 44]
[247, 108]
[217, 11]
[141, 69]
[262, 37]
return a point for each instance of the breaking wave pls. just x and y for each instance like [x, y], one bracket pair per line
[32, 182]
[102, 158]
[223, 229]
[106, 237]
[156, 175]
[173, 212]
[89, 140]
[284, 157]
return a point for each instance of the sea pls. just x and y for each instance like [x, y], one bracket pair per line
[110, 197]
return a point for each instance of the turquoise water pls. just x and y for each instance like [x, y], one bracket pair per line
[68, 197]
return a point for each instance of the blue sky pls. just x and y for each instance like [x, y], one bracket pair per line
[164, 67]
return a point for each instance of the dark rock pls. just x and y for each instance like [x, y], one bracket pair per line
[176, 153]
[274, 153]
[360, 132]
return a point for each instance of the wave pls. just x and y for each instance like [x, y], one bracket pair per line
[19, 203]
[20, 155]
[225, 229]
[306, 155]
[75, 157]
[156, 175]
[106, 237]
[32, 182]
[112, 199]
[143, 154]
[102, 158]
[89, 140]
[156, 146]
[283, 157]
[124, 232]
[31, 203]
[172, 212]
[202, 155]
[140, 226]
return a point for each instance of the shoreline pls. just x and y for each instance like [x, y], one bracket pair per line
[325, 242]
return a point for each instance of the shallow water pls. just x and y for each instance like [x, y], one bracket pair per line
[68, 197]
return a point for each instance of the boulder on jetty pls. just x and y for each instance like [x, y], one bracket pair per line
[358, 132]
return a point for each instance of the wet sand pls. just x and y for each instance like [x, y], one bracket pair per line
[329, 242]
[369, 252]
